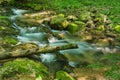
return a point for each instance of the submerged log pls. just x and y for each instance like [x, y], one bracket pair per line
[28, 50]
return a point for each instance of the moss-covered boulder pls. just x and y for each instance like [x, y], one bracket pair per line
[62, 75]
[17, 69]
[8, 41]
[72, 28]
[59, 22]
[117, 28]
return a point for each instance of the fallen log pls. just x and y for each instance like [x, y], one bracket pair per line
[32, 49]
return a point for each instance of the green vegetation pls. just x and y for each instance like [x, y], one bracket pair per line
[117, 28]
[62, 75]
[23, 66]
[107, 7]
[3, 17]
[110, 64]
[10, 40]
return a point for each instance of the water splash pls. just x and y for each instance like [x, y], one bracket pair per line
[48, 58]
[17, 13]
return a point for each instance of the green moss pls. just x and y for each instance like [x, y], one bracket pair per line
[62, 75]
[72, 28]
[1, 17]
[58, 19]
[81, 24]
[100, 28]
[22, 66]
[10, 40]
[117, 28]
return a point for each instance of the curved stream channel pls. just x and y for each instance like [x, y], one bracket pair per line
[32, 34]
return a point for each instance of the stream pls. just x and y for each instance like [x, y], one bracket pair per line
[84, 53]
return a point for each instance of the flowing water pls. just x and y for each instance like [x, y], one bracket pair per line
[33, 34]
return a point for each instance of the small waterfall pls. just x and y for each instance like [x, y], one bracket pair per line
[48, 57]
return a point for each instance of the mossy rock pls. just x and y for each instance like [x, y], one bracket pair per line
[62, 75]
[101, 28]
[10, 40]
[24, 66]
[73, 28]
[117, 28]
[7, 30]
[85, 16]
[71, 17]
[64, 24]
[59, 20]
[81, 24]
[101, 18]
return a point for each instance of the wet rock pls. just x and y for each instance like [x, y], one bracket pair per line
[105, 42]
[34, 19]
[87, 38]
[23, 47]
